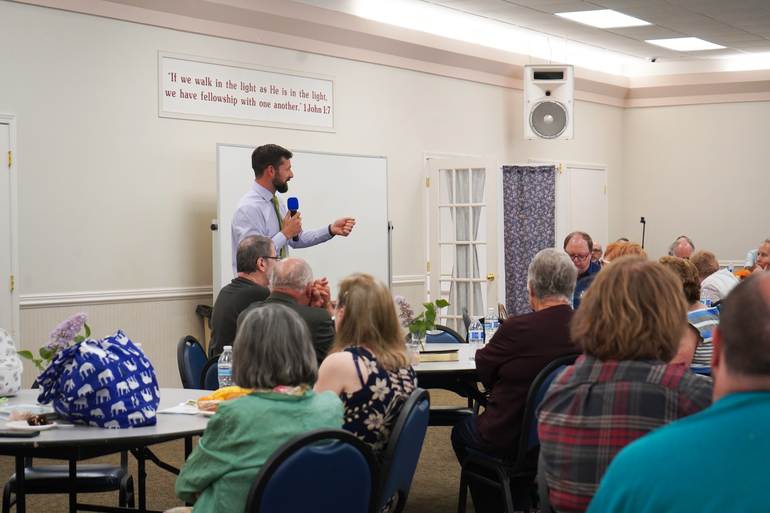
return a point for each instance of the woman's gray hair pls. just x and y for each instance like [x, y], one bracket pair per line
[291, 274]
[552, 275]
[272, 348]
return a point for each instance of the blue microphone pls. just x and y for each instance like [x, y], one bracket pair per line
[293, 205]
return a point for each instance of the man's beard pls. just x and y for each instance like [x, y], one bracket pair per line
[281, 187]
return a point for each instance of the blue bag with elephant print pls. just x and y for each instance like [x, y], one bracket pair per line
[107, 383]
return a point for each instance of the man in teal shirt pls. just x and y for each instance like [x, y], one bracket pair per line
[716, 460]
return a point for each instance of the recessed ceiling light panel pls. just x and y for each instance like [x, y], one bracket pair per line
[685, 44]
[603, 18]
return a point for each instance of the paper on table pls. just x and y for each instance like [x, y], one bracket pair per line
[183, 409]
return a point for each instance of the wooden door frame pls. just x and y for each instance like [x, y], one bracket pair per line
[15, 329]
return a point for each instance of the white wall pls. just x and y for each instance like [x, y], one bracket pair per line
[700, 171]
[114, 198]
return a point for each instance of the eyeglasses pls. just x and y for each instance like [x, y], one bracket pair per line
[579, 258]
[276, 258]
[596, 251]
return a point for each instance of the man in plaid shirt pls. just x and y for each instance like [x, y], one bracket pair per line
[629, 325]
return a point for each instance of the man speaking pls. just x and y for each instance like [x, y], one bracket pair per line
[261, 212]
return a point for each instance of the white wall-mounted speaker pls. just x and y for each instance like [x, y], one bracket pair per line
[549, 92]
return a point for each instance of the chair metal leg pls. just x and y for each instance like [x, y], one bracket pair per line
[7, 498]
[463, 499]
[21, 503]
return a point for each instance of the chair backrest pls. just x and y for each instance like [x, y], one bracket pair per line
[529, 439]
[466, 318]
[299, 476]
[447, 336]
[209, 379]
[403, 450]
[190, 358]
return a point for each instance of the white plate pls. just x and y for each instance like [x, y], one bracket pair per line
[207, 413]
[22, 424]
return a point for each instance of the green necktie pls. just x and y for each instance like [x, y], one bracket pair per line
[274, 199]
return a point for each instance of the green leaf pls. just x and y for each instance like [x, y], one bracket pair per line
[26, 354]
[46, 354]
[79, 338]
[88, 330]
[442, 303]
[39, 365]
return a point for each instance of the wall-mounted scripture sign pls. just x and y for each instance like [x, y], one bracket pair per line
[225, 92]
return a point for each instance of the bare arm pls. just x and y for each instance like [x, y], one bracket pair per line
[338, 374]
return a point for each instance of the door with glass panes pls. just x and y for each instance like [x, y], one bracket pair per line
[463, 256]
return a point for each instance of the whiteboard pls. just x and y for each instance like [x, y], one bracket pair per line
[328, 187]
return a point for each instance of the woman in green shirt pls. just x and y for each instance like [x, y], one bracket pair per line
[273, 354]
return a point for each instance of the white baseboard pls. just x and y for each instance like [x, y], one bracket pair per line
[118, 296]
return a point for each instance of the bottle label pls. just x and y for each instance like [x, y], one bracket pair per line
[224, 370]
[475, 335]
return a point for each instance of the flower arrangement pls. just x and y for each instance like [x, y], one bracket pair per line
[61, 337]
[424, 322]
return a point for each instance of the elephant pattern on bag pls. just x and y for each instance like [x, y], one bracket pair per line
[108, 383]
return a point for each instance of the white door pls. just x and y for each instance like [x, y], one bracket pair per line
[587, 202]
[581, 201]
[463, 258]
[6, 242]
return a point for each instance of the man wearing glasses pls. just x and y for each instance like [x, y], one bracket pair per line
[255, 258]
[579, 247]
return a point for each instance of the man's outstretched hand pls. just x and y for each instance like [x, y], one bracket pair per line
[343, 226]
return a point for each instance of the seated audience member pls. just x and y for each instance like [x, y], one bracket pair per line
[751, 258]
[763, 257]
[579, 246]
[596, 253]
[688, 344]
[716, 460]
[621, 248]
[508, 364]
[292, 285]
[254, 259]
[629, 326]
[368, 366]
[681, 248]
[273, 355]
[702, 317]
[715, 284]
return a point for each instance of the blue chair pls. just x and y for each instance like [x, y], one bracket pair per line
[705, 371]
[403, 450]
[447, 336]
[209, 379]
[340, 477]
[478, 465]
[190, 358]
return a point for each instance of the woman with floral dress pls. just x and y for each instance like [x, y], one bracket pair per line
[368, 365]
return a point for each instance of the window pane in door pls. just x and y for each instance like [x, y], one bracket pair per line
[463, 193]
[446, 226]
[462, 261]
[463, 227]
[479, 177]
[445, 186]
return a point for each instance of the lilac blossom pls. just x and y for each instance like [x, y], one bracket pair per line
[406, 312]
[66, 332]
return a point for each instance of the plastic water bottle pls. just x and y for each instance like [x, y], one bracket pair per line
[475, 338]
[490, 325]
[225, 366]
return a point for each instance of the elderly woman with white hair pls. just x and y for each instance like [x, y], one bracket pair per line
[509, 363]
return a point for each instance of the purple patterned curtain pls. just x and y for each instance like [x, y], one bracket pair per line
[529, 202]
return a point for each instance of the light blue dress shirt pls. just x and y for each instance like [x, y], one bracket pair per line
[255, 215]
